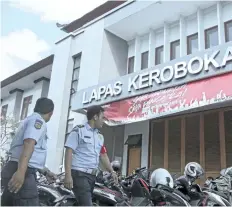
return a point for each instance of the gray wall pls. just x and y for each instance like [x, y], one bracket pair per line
[113, 58]
[114, 140]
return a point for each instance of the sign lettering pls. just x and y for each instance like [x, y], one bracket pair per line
[154, 78]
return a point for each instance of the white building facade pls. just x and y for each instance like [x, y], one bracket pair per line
[117, 51]
[20, 92]
[124, 41]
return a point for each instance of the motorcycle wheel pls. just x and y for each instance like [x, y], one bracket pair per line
[42, 203]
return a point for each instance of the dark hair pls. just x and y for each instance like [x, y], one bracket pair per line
[44, 106]
[94, 110]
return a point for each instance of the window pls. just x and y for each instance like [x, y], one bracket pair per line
[4, 111]
[144, 60]
[228, 31]
[131, 61]
[74, 86]
[69, 125]
[71, 113]
[192, 43]
[26, 102]
[72, 99]
[76, 74]
[76, 71]
[175, 49]
[159, 55]
[211, 37]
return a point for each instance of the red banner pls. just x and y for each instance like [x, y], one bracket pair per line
[169, 101]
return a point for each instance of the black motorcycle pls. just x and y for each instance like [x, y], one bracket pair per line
[132, 191]
[54, 194]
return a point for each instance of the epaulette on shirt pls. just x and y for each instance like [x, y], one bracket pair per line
[77, 127]
[99, 132]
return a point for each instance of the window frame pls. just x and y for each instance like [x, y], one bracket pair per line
[188, 41]
[142, 63]
[156, 54]
[25, 106]
[207, 46]
[225, 27]
[128, 64]
[72, 90]
[172, 57]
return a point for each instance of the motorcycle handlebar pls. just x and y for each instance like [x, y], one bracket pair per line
[136, 171]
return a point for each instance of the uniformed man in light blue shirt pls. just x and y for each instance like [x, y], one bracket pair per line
[27, 154]
[84, 149]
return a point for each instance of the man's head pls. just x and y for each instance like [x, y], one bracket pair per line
[95, 115]
[45, 107]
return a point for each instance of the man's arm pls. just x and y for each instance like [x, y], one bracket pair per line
[28, 148]
[104, 159]
[70, 145]
[45, 171]
[68, 161]
[33, 132]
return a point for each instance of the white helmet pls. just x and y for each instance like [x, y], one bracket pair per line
[162, 177]
[194, 170]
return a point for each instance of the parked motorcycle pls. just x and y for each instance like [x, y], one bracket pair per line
[54, 194]
[137, 188]
[220, 188]
[132, 191]
[163, 192]
[201, 197]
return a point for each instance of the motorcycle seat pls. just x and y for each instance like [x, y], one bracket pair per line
[186, 197]
[220, 194]
[100, 185]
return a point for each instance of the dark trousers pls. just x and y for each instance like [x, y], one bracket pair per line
[27, 195]
[83, 185]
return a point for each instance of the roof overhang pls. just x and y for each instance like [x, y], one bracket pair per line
[150, 15]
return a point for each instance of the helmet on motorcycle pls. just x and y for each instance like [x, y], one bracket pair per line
[162, 177]
[194, 170]
[228, 171]
[116, 165]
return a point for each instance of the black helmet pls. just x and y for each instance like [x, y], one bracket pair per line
[116, 165]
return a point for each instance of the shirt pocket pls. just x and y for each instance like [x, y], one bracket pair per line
[85, 142]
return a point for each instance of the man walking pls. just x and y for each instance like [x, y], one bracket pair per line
[84, 149]
[27, 154]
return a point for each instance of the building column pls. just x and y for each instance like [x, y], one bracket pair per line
[183, 40]
[166, 43]
[137, 54]
[221, 29]
[200, 28]
[18, 95]
[43, 83]
[151, 55]
[59, 92]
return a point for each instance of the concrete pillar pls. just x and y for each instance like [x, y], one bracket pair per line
[59, 92]
[200, 28]
[43, 84]
[137, 54]
[166, 43]
[183, 39]
[151, 56]
[17, 97]
[221, 28]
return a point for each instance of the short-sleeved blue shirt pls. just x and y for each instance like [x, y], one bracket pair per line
[86, 144]
[33, 127]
